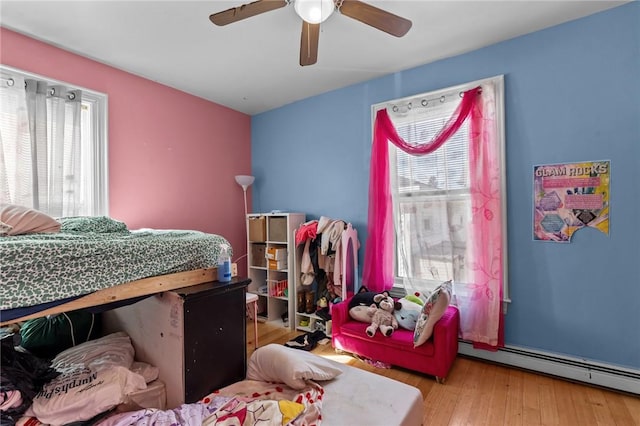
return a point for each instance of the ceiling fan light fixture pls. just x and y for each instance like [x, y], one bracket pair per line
[314, 11]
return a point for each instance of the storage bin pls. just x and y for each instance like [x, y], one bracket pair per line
[257, 229]
[275, 253]
[278, 229]
[154, 396]
[258, 255]
[277, 264]
[278, 288]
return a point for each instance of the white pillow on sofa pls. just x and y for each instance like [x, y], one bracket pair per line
[432, 311]
[280, 364]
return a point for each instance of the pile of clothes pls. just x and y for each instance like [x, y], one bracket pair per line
[308, 341]
[22, 377]
[79, 385]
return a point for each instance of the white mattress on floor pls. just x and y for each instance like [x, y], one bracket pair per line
[358, 397]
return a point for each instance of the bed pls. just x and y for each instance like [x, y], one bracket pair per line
[94, 261]
[282, 386]
[290, 386]
[359, 397]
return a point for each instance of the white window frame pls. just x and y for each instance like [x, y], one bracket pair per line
[446, 93]
[97, 105]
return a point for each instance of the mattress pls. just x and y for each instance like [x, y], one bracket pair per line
[91, 254]
[358, 397]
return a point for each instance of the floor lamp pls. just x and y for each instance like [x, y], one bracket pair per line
[245, 182]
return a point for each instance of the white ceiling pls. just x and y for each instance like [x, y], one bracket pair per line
[252, 65]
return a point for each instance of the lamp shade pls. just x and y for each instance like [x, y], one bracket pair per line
[314, 11]
[245, 181]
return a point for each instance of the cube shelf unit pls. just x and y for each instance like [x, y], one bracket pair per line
[272, 263]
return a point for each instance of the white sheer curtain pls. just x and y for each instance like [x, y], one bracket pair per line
[432, 202]
[40, 135]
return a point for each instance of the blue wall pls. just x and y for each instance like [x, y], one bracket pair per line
[572, 94]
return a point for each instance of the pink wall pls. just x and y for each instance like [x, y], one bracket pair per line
[172, 156]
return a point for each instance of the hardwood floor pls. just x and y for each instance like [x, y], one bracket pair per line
[481, 393]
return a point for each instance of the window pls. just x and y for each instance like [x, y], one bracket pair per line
[84, 175]
[94, 161]
[432, 193]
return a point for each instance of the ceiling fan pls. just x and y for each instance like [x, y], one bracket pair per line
[313, 12]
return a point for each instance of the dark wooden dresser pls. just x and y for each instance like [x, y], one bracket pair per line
[196, 336]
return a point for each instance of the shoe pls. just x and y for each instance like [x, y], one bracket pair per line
[324, 313]
[301, 302]
[317, 335]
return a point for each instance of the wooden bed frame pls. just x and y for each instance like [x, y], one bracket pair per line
[142, 287]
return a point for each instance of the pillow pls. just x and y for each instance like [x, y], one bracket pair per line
[280, 364]
[433, 309]
[359, 304]
[361, 314]
[24, 220]
[408, 313]
[364, 298]
[95, 377]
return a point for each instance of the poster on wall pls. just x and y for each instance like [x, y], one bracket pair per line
[568, 197]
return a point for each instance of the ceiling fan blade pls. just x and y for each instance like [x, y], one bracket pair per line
[246, 11]
[309, 43]
[375, 17]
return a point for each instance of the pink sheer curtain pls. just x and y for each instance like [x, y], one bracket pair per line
[482, 322]
[378, 261]
[481, 319]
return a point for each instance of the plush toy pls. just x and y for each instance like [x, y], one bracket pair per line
[407, 313]
[382, 317]
[417, 297]
[359, 306]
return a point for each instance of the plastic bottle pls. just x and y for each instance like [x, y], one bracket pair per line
[224, 265]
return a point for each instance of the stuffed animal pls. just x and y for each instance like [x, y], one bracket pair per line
[417, 297]
[407, 313]
[322, 302]
[382, 317]
[359, 306]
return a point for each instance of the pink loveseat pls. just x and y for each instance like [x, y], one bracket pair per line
[435, 357]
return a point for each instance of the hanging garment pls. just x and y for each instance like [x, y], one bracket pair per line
[306, 231]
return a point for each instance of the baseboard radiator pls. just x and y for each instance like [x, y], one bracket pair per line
[606, 375]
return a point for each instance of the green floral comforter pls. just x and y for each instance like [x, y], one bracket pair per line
[90, 254]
